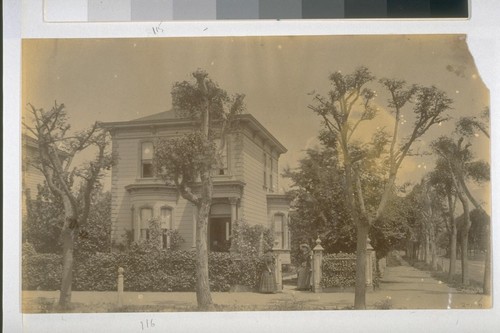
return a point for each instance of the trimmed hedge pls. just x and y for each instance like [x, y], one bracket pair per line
[144, 271]
[339, 270]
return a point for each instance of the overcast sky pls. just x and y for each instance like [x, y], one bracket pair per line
[124, 79]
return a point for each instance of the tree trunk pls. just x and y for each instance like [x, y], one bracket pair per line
[427, 251]
[67, 237]
[453, 252]
[465, 259]
[68, 242]
[487, 262]
[203, 296]
[360, 288]
[433, 249]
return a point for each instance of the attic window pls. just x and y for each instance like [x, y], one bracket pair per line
[147, 160]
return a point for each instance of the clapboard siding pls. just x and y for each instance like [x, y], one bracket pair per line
[246, 164]
[254, 205]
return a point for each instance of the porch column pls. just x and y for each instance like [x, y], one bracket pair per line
[195, 218]
[137, 224]
[233, 201]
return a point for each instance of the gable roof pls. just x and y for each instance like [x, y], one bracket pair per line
[171, 117]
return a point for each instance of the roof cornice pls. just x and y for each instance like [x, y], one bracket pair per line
[246, 118]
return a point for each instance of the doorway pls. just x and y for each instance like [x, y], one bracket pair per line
[219, 231]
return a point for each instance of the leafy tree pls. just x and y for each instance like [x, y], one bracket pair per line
[390, 230]
[349, 103]
[42, 226]
[468, 126]
[319, 205]
[56, 152]
[462, 168]
[440, 178]
[187, 161]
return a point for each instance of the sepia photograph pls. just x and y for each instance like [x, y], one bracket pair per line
[286, 173]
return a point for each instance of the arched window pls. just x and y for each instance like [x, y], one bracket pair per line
[166, 226]
[147, 160]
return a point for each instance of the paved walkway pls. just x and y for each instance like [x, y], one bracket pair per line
[403, 287]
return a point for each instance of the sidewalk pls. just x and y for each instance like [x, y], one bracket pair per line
[403, 287]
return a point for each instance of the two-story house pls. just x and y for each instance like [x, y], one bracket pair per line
[246, 186]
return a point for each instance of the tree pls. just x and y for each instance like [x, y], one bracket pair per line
[460, 162]
[319, 203]
[42, 226]
[348, 104]
[468, 126]
[188, 161]
[440, 178]
[56, 152]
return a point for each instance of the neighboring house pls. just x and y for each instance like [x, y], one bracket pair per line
[31, 176]
[245, 187]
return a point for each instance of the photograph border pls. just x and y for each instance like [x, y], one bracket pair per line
[26, 21]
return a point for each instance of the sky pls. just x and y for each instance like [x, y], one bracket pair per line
[123, 79]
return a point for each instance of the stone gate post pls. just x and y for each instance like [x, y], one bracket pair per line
[120, 286]
[369, 265]
[317, 263]
[278, 273]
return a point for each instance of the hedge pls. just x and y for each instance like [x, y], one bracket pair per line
[154, 271]
[339, 270]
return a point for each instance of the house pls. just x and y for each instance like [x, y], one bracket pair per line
[245, 187]
[31, 176]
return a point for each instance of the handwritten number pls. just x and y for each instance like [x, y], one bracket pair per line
[147, 324]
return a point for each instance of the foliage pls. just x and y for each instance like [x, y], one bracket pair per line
[468, 126]
[45, 217]
[339, 270]
[349, 103]
[43, 222]
[319, 202]
[479, 231]
[390, 230]
[250, 240]
[190, 159]
[95, 236]
[154, 241]
[143, 271]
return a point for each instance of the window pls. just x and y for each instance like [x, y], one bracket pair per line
[265, 170]
[146, 215]
[279, 231]
[222, 167]
[147, 160]
[166, 226]
[271, 185]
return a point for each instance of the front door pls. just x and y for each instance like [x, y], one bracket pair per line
[219, 230]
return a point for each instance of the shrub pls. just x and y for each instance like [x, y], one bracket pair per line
[250, 240]
[143, 271]
[40, 271]
[339, 270]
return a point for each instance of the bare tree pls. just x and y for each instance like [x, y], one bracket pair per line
[56, 152]
[346, 106]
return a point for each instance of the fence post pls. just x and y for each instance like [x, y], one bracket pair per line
[316, 267]
[278, 274]
[120, 286]
[369, 264]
